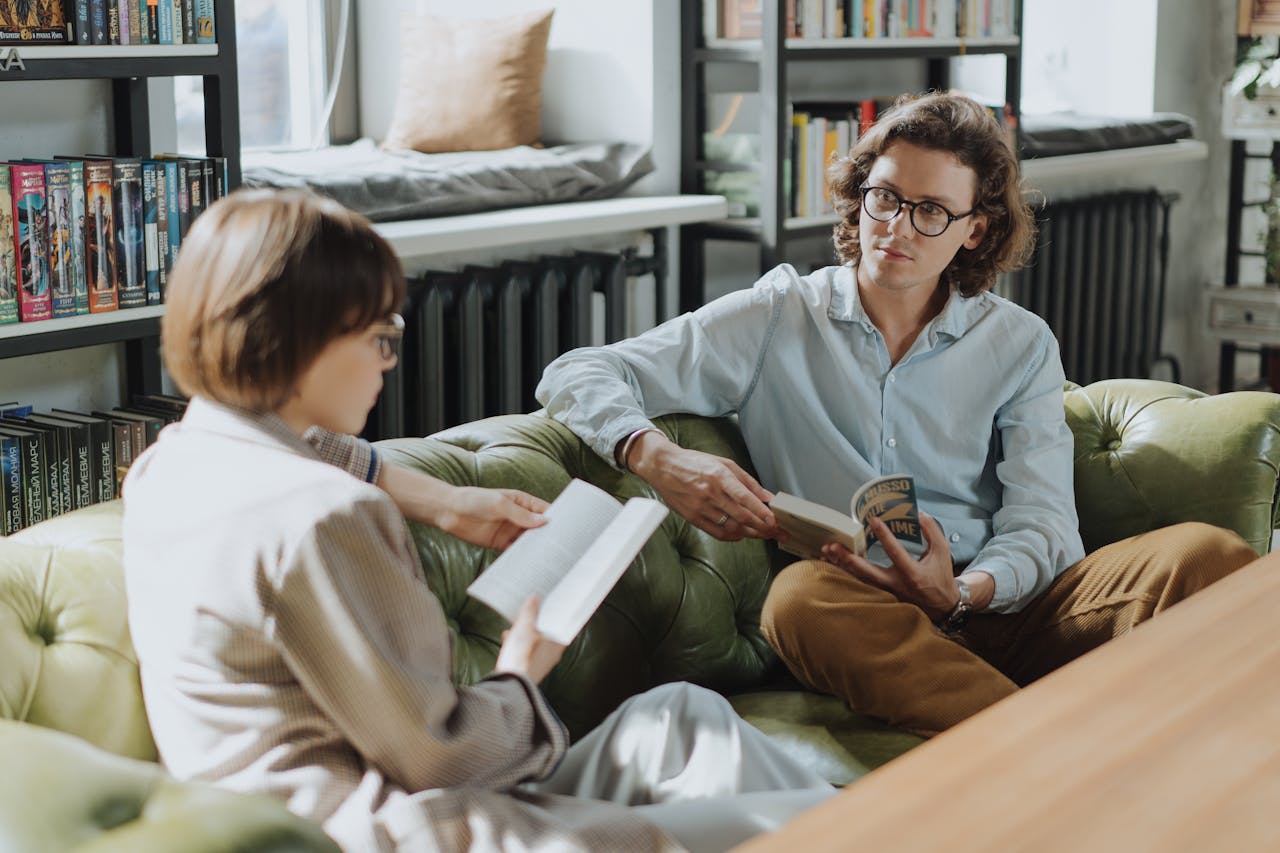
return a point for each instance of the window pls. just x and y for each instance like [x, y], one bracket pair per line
[282, 75]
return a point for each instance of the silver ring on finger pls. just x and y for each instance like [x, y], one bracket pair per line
[720, 521]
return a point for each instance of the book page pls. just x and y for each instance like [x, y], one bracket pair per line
[893, 500]
[811, 525]
[568, 607]
[540, 557]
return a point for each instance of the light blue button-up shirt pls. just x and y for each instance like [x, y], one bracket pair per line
[973, 411]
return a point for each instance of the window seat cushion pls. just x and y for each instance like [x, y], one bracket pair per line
[394, 185]
[1054, 134]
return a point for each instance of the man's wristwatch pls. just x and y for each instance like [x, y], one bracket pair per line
[959, 615]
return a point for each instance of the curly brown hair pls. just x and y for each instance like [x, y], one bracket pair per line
[960, 126]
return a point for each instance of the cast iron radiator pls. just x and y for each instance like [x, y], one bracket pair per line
[1098, 279]
[476, 341]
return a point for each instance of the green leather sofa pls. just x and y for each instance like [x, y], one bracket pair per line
[1147, 454]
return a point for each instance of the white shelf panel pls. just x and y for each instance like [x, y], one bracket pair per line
[516, 226]
[80, 321]
[1118, 160]
[108, 52]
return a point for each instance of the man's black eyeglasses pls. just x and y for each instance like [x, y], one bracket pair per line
[927, 217]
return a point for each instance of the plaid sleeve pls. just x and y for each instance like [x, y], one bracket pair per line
[353, 455]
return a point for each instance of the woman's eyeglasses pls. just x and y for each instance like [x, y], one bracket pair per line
[388, 336]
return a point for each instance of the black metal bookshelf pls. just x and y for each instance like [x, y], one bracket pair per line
[773, 229]
[129, 68]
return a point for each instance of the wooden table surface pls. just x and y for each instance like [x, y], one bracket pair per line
[1167, 739]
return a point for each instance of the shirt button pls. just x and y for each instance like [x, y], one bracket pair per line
[893, 442]
[893, 378]
[955, 537]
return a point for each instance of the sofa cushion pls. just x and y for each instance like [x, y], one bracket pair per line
[470, 84]
[1150, 454]
[59, 793]
[688, 609]
[68, 662]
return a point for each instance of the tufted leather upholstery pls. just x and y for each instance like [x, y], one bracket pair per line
[58, 793]
[1147, 454]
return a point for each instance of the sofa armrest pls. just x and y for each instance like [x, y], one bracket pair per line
[58, 792]
[1150, 454]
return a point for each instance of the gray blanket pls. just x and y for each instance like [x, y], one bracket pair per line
[389, 185]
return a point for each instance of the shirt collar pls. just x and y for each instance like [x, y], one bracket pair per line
[957, 316]
[259, 428]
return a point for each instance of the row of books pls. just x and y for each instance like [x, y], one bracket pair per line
[82, 235]
[829, 19]
[823, 132]
[55, 462]
[121, 22]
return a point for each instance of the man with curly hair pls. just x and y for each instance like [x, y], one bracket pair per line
[898, 360]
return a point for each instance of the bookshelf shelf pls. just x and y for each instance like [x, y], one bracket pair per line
[725, 50]
[127, 67]
[80, 331]
[74, 62]
[779, 67]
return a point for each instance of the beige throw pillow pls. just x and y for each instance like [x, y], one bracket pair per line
[470, 84]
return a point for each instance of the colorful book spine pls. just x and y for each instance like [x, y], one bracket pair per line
[173, 191]
[205, 33]
[58, 241]
[165, 21]
[177, 21]
[126, 190]
[122, 13]
[79, 259]
[136, 23]
[151, 14]
[100, 236]
[8, 255]
[162, 224]
[26, 181]
[151, 233]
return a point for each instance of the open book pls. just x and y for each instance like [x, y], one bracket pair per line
[809, 525]
[572, 561]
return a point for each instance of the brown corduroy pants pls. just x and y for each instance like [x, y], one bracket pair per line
[886, 659]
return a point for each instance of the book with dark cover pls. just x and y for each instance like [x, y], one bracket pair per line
[167, 402]
[100, 236]
[26, 184]
[121, 450]
[12, 506]
[165, 414]
[149, 426]
[98, 32]
[32, 22]
[137, 433]
[151, 231]
[210, 182]
[160, 176]
[56, 461]
[58, 239]
[131, 274]
[79, 256]
[8, 254]
[188, 22]
[84, 34]
[151, 14]
[221, 181]
[77, 467]
[113, 21]
[102, 458]
[36, 454]
[172, 192]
